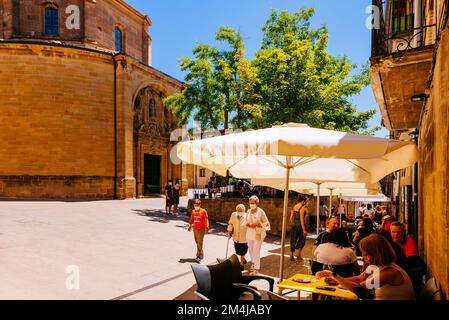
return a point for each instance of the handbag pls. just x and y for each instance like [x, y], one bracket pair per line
[261, 233]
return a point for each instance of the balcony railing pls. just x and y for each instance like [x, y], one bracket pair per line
[403, 25]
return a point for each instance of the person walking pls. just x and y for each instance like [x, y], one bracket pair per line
[298, 230]
[210, 187]
[257, 224]
[324, 212]
[237, 229]
[341, 211]
[168, 197]
[200, 222]
[176, 194]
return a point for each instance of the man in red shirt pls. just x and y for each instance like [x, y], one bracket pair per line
[408, 244]
[200, 222]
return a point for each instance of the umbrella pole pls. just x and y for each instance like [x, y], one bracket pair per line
[318, 209]
[330, 203]
[284, 218]
[340, 212]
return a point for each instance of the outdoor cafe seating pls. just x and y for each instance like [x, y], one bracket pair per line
[225, 281]
[238, 277]
[214, 282]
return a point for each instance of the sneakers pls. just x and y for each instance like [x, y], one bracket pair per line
[198, 259]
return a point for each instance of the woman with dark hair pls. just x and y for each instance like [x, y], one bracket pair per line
[377, 217]
[338, 250]
[364, 231]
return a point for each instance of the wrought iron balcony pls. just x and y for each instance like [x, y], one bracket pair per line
[403, 25]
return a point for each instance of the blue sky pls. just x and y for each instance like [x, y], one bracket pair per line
[178, 25]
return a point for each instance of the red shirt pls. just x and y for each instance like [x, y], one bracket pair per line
[199, 219]
[409, 247]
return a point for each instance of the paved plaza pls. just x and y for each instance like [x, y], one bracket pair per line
[125, 249]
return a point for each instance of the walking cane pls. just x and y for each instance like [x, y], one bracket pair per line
[227, 246]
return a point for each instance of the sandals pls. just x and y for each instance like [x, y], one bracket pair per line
[255, 272]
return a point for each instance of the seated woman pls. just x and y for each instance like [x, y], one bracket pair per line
[337, 251]
[389, 281]
[363, 231]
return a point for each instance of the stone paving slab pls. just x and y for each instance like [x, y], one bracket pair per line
[126, 249]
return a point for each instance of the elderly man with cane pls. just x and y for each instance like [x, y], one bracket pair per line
[237, 228]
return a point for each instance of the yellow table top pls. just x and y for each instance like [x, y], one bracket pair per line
[311, 287]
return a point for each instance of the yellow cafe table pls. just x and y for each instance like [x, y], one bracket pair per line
[309, 283]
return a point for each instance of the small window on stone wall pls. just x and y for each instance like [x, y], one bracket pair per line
[51, 21]
[202, 173]
[118, 39]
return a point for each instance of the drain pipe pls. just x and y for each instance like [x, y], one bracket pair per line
[115, 126]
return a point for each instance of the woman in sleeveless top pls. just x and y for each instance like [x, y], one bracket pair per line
[298, 230]
[257, 224]
[383, 275]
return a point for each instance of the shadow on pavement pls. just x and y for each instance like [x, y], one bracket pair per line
[187, 260]
[160, 215]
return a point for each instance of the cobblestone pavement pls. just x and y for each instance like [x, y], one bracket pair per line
[125, 249]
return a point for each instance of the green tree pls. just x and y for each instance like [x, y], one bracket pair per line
[299, 81]
[201, 98]
[292, 79]
[216, 93]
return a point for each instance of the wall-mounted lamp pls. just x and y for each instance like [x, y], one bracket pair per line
[419, 97]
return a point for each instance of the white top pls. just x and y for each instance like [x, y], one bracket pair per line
[330, 253]
[404, 291]
[369, 212]
[323, 210]
[250, 218]
[361, 211]
[238, 227]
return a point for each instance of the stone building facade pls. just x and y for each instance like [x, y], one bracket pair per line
[410, 76]
[82, 109]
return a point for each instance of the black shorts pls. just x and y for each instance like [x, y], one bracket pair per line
[322, 218]
[175, 200]
[241, 248]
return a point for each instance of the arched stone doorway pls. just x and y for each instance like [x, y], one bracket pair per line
[152, 127]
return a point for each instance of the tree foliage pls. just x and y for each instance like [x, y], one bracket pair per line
[292, 78]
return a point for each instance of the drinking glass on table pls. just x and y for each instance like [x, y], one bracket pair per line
[327, 267]
[307, 262]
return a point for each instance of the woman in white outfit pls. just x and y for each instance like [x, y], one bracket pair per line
[257, 224]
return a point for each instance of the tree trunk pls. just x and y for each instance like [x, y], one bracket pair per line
[226, 119]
